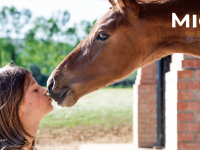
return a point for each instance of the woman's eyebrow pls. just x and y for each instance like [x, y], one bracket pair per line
[32, 83]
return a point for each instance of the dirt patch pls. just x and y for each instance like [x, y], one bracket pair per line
[65, 138]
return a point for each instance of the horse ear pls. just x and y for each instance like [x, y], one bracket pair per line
[113, 2]
[130, 4]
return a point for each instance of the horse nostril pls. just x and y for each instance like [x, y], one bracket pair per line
[51, 86]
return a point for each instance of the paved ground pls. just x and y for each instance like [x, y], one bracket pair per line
[64, 138]
[109, 147]
[93, 147]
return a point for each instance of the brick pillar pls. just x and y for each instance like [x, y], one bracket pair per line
[146, 101]
[183, 103]
[189, 104]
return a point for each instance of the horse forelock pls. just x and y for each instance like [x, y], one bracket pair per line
[113, 2]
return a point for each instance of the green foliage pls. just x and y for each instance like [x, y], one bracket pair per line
[87, 26]
[45, 45]
[45, 54]
[7, 51]
[127, 82]
[40, 78]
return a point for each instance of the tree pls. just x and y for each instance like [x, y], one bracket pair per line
[12, 22]
[45, 45]
[87, 26]
[48, 50]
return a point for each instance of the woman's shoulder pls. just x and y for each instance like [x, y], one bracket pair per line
[24, 148]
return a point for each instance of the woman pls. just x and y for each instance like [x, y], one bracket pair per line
[23, 104]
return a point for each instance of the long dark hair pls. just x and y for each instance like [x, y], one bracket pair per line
[12, 131]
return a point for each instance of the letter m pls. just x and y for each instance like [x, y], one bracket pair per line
[175, 18]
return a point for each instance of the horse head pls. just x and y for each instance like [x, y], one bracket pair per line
[112, 51]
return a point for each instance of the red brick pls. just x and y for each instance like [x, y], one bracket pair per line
[153, 110]
[141, 107]
[185, 74]
[185, 116]
[146, 91]
[152, 101]
[188, 106]
[149, 71]
[152, 126]
[198, 95]
[142, 101]
[185, 95]
[188, 127]
[198, 117]
[144, 109]
[148, 76]
[198, 137]
[142, 130]
[147, 106]
[191, 63]
[151, 115]
[150, 66]
[148, 81]
[147, 96]
[188, 85]
[147, 86]
[188, 146]
[145, 144]
[143, 116]
[152, 130]
[141, 121]
[151, 121]
[185, 137]
[151, 140]
[198, 73]
[145, 136]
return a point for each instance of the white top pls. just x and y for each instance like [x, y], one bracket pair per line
[33, 148]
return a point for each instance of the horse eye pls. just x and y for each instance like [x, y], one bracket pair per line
[102, 37]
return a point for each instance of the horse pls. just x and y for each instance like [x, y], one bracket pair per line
[129, 35]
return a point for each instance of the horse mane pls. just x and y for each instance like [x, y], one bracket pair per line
[166, 7]
[114, 2]
[151, 1]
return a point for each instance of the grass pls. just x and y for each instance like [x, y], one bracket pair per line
[108, 107]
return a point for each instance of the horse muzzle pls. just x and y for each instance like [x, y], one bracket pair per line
[64, 98]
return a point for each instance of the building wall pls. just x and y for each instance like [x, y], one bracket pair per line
[188, 105]
[146, 102]
[182, 105]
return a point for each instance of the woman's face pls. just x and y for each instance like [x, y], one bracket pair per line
[36, 103]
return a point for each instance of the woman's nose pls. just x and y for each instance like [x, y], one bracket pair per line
[45, 91]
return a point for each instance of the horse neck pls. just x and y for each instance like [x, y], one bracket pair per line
[161, 38]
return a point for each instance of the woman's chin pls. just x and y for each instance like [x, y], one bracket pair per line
[51, 108]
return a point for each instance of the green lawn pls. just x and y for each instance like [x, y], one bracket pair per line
[108, 106]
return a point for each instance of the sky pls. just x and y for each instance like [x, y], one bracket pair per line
[88, 10]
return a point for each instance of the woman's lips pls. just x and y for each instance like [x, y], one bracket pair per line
[50, 99]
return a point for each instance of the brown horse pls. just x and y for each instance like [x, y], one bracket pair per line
[127, 37]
